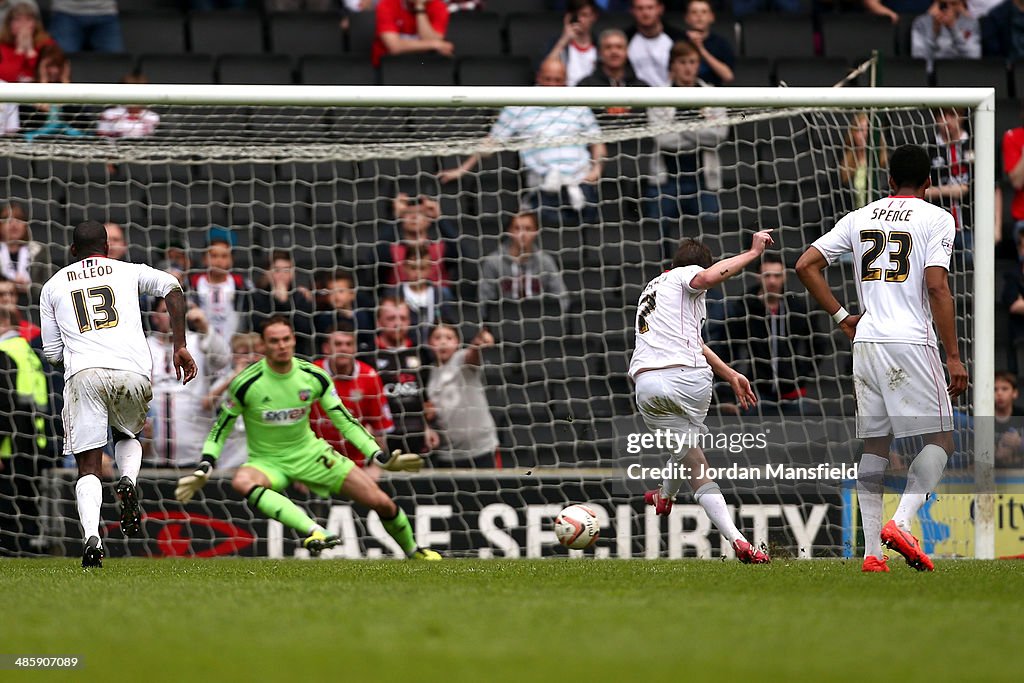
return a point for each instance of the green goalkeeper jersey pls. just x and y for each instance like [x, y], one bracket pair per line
[276, 408]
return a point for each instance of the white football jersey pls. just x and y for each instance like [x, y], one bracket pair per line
[91, 316]
[669, 320]
[893, 240]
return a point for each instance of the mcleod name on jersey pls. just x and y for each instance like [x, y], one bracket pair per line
[275, 409]
[669, 323]
[893, 240]
[91, 317]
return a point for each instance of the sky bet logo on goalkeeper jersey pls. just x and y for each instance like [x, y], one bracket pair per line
[288, 416]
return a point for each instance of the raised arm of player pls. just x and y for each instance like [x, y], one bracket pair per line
[809, 268]
[941, 300]
[184, 365]
[726, 268]
[745, 395]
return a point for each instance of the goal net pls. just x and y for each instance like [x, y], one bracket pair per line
[353, 182]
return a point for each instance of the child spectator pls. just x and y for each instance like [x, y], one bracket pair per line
[22, 37]
[23, 261]
[428, 302]
[336, 308]
[223, 295]
[519, 270]
[417, 219]
[576, 47]
[128, 121]
[716, 55]
[469, 434]
[280, 296]
[246, 349]
[1008, 430]
[857, 162]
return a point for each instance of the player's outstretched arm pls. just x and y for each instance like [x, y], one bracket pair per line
[810, 269]
[184, 365]
[941, 299]
[726, 268]
[745, 395]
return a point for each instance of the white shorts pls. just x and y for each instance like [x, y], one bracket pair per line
[675, 399]
[901, 389]
[97, 398]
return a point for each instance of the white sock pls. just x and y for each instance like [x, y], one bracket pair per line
[128, 454]
[922, 478]
[870, 484]
[89, 494]
[710, 497]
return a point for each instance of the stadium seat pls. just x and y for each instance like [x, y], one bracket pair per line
[160, 33]
[181, 68]
[475, 33]
[904, 72]
[417, 70]
[305, 33]
[339, 70]
[854, 36]
[753, 72]
[362, 31]
[777, 36]
[967, 73]
[506, 7]
[101, 67]
[237, 32]
[822, 72]
[255, 69]
[147, 5]
[532, 35]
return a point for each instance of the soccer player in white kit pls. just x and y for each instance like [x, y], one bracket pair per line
[901, 246]
[673, 369]
[92, 326]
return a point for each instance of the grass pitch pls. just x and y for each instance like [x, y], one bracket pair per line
[552, 620]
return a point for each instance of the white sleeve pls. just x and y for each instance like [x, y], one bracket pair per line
[686, 276]
[156, 282]
[53, 345]
[836, 241]
[940, 241]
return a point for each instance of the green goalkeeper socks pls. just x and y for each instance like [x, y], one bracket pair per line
[400, 530]
[274, 505]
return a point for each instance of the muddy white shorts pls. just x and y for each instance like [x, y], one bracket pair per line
[675, 399]
[901, 389]
[97, 398]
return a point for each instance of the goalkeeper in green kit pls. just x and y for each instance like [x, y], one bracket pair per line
[274, 397]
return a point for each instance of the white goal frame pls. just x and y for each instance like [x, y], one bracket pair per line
[980, 100]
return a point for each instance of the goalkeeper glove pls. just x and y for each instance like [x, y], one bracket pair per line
[398, 461]
[189, 484]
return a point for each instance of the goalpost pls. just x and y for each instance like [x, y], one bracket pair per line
[313, 170]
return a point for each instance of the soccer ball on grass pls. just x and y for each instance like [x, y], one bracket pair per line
[577, 527]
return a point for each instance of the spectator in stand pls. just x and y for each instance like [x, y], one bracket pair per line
[29, 331]
[886, 8]
[6, 5]
[469, 436]
[769, 331]
[45, 118]
[428, 302]
[560, 180]
[224, 296]
[23, 260]
[417, 219]
[952, 158]
[945, 31]
[175, 261]
[10, 119]
[405, 26]
[716, 56]
[86, 25]
[685, 172]
[21, 38]
[1013, 303]
[397, 359]
[128, 121]
[336, 308]
[575, 47]
[1002, 31]
[651, 41]
[1009, 427]
[180, 417]
[858, 161]
[1013, 166]
[613, 68]
[281, 297]
[519, 269]
[117, 247]
[246, 349]
[361, 391]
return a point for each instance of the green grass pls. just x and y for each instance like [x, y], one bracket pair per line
[559, 620]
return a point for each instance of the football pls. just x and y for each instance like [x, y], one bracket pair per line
[577, 527]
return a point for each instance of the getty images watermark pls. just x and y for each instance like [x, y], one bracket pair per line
[675, 444]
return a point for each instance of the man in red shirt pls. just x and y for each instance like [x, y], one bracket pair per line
[411, 26]
[360, 389]
[1013, 165]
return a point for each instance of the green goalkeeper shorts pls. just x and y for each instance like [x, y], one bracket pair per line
[323, 471]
